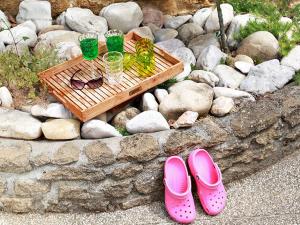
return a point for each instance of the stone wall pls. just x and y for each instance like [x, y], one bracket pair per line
[167, 6]
[96, 176]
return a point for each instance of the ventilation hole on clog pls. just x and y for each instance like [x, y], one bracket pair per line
[216, 202]
[185, 211]
[222, 197]
[187, 217]
[183, 204]
[180, 215]
[213, 205]
[190, 212]
[189, 205]
[188, 200]
[180, 210]
[218, 207]
[219, 198]
[210, 199]
[214, 195]
[175, 212]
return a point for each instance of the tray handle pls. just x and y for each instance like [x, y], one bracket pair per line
[136, 90]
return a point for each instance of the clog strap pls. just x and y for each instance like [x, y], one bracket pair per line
[211, 186]
[179, 195]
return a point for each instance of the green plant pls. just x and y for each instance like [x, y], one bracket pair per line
[19, 72]
[167, 83]
[123, 131]
[297, 78]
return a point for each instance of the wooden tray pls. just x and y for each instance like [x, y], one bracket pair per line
[89, 103]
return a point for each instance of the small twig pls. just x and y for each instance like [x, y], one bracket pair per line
[222, 29]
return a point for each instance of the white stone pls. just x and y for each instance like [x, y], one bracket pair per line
[228, 76]
[68, 50]
[147, 122]
[53, 110]
[232, 93]
[266, 77]
[210, 58]
[144, 32]
[19, 32]
[149, 102]
[83, 21]
[285, 20]
[222, 106]
[201, 16]
[292, 59]
[5, 98]
[201, 42]
[175, 21]
[244, 67]
[212, 23]
[202, 76]
[4, 23]
[20, 125]
[185, 96]
[185, 54]
[186, 72]
[21, 48]
[98, 129]
[237, 23]
[160, 94]
[170, 45]
[61, 129]
[39, 12]
[123, 16]
[187, 119]
[30, 25]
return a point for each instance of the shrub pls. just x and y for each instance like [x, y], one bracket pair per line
[19, 73]
[297, 78]
[167, 83]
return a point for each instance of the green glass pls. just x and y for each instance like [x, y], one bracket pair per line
[90, 51]
[89, 48]
[115, 41]
[145, 59]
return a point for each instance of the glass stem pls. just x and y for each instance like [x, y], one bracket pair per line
[93, 69]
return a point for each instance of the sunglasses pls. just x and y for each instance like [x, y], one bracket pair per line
[79, 84]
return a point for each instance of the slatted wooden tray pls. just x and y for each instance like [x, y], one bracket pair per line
[88, 103]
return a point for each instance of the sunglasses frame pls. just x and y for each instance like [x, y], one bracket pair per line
[86, 83]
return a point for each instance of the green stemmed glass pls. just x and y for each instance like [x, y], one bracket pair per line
[90, 50]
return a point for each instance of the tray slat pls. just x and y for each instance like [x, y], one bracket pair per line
[88, 103]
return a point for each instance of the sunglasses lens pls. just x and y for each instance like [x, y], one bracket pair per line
[77, 84]
[93, 84]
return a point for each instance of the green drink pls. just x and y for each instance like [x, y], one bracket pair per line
[145, 57]
[115, 41]
[89, 48]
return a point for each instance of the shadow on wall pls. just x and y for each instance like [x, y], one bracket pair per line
[167, 6]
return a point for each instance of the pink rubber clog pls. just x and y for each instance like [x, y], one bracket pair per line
[208, 178]
[179, 201]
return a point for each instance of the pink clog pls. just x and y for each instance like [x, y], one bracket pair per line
[179, 201]
[208, 178]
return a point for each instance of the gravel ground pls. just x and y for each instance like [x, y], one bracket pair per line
[268, 197]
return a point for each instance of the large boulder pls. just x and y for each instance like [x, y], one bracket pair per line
[267, 77]
[17, 124]
[187, 96]
[292, 59]
[201, 42]
[261, 45]
[212, 23]
[39, 12]
[24, 33]
[83, 21]
[123, 16]
[170, 45]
